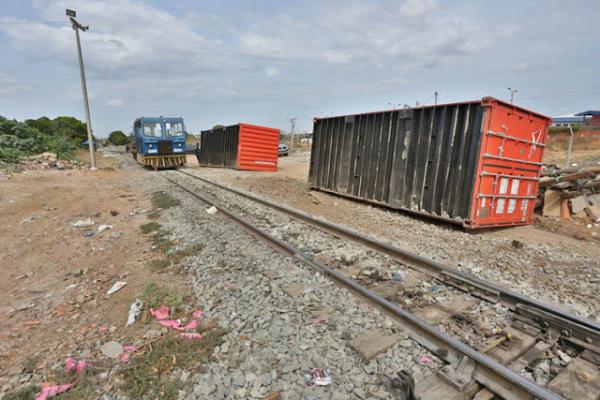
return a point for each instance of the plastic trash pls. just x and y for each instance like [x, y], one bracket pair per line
[162, 313]
[425, 360]
[50, 391]
[104, 227]
[127, 350]
[88, 233]
[191, 335]
[134, 310]
[82, 223]
[116, 287]
[78, 367]
[212, 210]
[318, 377]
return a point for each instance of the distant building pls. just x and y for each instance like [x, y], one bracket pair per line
[587, 118]
[590, 118]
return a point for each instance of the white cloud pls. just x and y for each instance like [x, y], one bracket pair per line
[115, 102]
[124, 35]
[415, 34]
[271, 72]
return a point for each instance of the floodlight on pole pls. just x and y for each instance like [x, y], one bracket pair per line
[512, 94]
[76, 27]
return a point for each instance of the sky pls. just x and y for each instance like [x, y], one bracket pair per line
[265, 61]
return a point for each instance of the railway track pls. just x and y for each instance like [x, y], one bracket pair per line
[497, 362]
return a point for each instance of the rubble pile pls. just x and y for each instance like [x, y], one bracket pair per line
[571, 192]
[47, 161]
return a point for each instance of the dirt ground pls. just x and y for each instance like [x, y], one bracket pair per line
[53, 300]
[294, 192]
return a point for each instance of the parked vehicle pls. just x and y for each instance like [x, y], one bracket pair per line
[475, 163]
[283, 150]
[159, 142]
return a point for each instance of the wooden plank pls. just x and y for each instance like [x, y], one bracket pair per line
[373, 343]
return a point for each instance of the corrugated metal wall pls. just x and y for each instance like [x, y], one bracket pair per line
[258, 148]
[219, 147]
[422, 159]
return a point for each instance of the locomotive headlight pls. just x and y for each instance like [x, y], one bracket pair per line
[149, 144]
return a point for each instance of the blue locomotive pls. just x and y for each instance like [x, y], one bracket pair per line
[159, 142]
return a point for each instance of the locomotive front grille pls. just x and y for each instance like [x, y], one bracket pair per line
[165, 147]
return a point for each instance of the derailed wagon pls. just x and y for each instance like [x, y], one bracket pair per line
[241, 146]
[474, 163]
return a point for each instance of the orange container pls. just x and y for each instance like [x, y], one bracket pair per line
[474, 163]
[242, 146]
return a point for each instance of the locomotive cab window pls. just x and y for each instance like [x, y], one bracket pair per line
[174, 128]
[152, 129]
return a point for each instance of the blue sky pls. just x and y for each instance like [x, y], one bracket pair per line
[264, 61]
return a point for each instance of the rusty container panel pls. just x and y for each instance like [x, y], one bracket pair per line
[258, 148]
[426, 160]
[241, 146]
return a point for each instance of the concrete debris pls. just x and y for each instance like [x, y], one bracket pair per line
[570, 192]
[47, 161]
[112, 349]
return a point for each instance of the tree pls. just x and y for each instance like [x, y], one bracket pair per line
[118, 138]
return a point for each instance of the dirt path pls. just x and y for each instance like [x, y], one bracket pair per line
[53, 300]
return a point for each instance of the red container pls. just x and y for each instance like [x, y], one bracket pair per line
[241, 146]
[475, 163]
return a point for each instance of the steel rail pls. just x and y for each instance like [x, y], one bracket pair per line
[589, 329]
[493, 371]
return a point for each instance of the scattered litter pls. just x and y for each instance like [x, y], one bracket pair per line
[112, 349]
[318, 377]
[162, 313]
[212, 210]
[191, 335]
[116, 287]
[425, 360]
[88, 233]
[134, 310]
[71, 286]
[18, 278]
[127, 350]
[78, 367]
[104, 227]
[114, 213]
[517, 244]
[396, 276]
[82, 223]
[50, 391]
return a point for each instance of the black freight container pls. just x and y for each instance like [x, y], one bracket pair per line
[435, 160]
[219, 147]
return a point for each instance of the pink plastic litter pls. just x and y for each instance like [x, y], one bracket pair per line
[127, 350]
[78, 366]
[51, 391]
[191, 335]
[162, 313]
[426, 360]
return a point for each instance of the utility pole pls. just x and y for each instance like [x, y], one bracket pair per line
[512, 94]
[76, 27]
[436, 96]
[293, 128]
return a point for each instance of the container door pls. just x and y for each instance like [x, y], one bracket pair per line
[509, 166]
